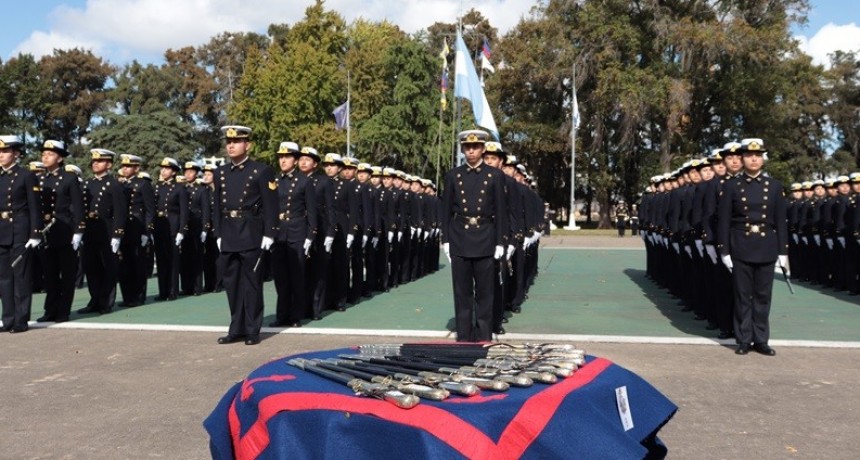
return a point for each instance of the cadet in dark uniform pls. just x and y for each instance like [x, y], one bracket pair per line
[140, 196]
[171, 223]
[346, 213]
[753, 235]
[199, 218]
[317, 274]
[62, 208]
[370, 237]
[474, 227]
[211, 274]
[621, 218]
[245, 221]
[106, 216]
[20, 234]
[297, 227]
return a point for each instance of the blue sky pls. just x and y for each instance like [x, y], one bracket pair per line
[122, 30]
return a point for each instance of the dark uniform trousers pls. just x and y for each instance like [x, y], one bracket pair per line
[211, 274]
[107, 213]
[753, 285]
[20, 221]
[62, 201]
[246, 210]
[171, 218]
[474, 289]
[288, 272]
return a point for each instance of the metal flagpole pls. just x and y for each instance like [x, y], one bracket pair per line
[571, 224]
[348, 109]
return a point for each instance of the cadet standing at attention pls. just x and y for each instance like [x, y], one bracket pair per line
[753, 235]
[246, 212]
[474, 227]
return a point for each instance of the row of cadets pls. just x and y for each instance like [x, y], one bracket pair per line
[825, 227]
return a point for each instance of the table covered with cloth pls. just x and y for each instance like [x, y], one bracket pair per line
[280, 411]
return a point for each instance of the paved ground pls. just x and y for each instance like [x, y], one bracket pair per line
[93, 394]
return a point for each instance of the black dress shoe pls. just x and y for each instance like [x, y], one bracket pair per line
[229, 339]
[500, 330]
[742, 350]
[504, 320]
[252, 340]
[341, 308]
[686, 309]
[86, 310]
[296, 324]
[711, 327]
[725, 335]
[278, 324]
[44, 319]
[764, 349]
[5, 328]
[16, 330]
[61, 320]
[516, 309]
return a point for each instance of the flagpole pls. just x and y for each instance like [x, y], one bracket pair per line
[571, 224]
[348, 109]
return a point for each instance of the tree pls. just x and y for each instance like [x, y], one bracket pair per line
[76, 90]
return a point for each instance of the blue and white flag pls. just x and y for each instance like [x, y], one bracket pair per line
[468, 86]
[575, 113]
[341, 116]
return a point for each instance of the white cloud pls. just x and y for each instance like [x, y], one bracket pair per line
[828, 39]
[121, 30]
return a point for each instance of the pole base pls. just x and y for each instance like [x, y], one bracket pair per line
[573, 227]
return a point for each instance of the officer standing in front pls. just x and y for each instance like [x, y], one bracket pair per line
[106, 215]
[474, 227]
[20, 234]
[245, 221]
[753, 234]
[63, 209]
[297, 227]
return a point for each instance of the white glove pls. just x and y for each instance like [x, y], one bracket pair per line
[701, 248]
[349, 239]
[363, 240]
[805, 241]
[390, 237]
[796, 238]
[114, 245]
[375, 241]
[525, 243]
[327, 242]
[782, 261]
[689, 251]
[727, 261]
[414, 230]
[817, 239]
[446, 248]
[267, 243]
[712, 252]
[218, 243]
[399, 236]
[144, 240]
[76, 240]
[425, 233]
[32, 243]
[179, 238]
[536, 236]
[500, 250]
[511, 250]
[841, 240]
[677, 248]
[829, 242]
[202, 237]
[307, 246]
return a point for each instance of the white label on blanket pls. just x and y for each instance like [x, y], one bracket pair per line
[624, 408]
